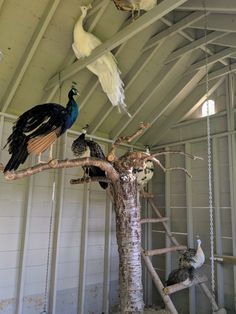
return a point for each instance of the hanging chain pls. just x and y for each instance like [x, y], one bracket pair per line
[209, 162]
[45, 306]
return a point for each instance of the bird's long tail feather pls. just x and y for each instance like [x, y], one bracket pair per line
[19, 153]
[113, 86]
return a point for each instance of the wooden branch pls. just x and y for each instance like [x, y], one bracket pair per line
[179, 153]
[153, 220]
[89, 179]
[165, 250]
[66, 163]
[180, 286]
[179, 168]
[125, 139]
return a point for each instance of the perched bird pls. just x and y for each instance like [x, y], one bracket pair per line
[192, 257]
[184, 275]
[38, 128]
[144, 174]
[81, 147]
[104, 67]
[135, 5]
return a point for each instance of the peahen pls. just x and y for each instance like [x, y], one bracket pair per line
[105, 67]
[184, 275]
[192, 257]
[38, 128]
[82, 147]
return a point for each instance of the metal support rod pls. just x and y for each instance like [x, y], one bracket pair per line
[189, 213]
[83, 248]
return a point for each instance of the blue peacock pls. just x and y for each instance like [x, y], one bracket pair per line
[38, 128]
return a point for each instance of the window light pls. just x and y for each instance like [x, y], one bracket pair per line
[211, 108]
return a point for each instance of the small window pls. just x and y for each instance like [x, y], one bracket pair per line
[211, 108]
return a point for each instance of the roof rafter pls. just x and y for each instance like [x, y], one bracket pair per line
[131, 76]
[195, 45]
[218, 73]
[212, 59]
[228, 6]
[29, 53]
[162, 78]
[227, 41]
[129, 31]
[217, 22]
[70, 58]
[191, 102]
[175, 28]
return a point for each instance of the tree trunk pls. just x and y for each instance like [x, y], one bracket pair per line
[128, 233]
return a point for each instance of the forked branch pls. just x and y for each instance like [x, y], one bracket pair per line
[125, 139]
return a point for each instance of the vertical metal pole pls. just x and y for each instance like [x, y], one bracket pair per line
[60, 179]
[107, 256]
[232, 164]
[24, 245]
[83, 248]
[167, 211]
[189, 207]
[218, 232]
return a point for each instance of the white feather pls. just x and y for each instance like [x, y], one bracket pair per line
[104, 67]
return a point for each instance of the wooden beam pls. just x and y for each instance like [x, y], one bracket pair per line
[217, 22]
[158, 284]
[227, 6]
[189, 214]
[175, 28]
[227, 41]
[129, 31]
[24, 246]
[165, 250]
[176, 95]
[212, 59]
[180, 286]
[225, 259]
[99, 6]
[58, 207]
[195, 45]
[218, 222]
[29, 53]
[219, 73]
[83, 248]
[197, 97]
[130, 77]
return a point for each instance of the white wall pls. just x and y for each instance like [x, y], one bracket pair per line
[187, 203]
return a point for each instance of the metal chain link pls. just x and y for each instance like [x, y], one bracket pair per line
[45, 306]
[209, 163]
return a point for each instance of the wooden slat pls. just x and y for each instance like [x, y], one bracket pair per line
[159, 285]
[153, 220]
[181, 286]
[165, 250]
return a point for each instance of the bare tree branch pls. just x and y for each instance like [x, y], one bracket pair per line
[179, 168]
[89, 179]
[125, 139]
[179, 153]
[66, 163]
